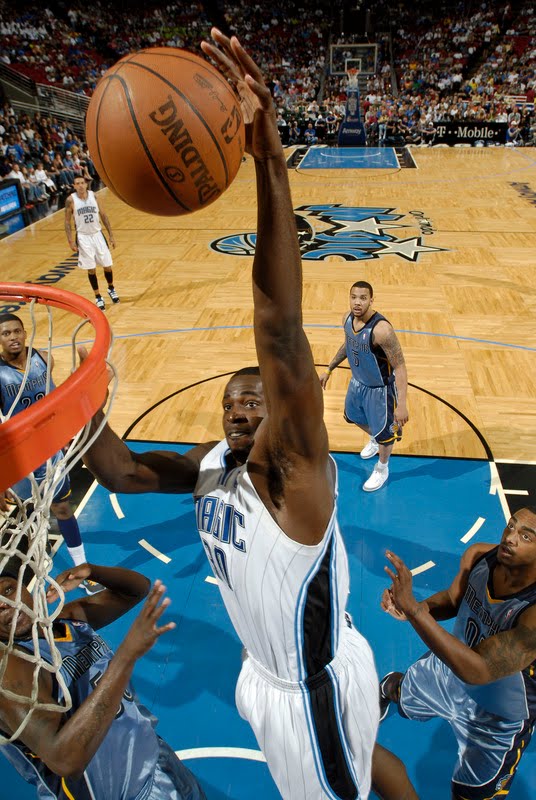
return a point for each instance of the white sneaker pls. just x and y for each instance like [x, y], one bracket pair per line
[376, 479]
[370, 449]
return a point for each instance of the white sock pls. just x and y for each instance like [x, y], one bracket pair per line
[78, 554]
[382, 467]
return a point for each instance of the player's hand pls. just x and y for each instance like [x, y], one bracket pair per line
[7, 501]
[324, 378]
[82, 355]
[389, 607]
[112, 242]
[69, 579]
[402, 587]
[262, 135]
[73, 245]
[401, 414]
[145, 629]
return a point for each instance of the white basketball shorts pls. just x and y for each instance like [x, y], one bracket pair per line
[317, 735]
[93, 251]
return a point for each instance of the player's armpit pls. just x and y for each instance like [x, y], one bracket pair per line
[510, 651]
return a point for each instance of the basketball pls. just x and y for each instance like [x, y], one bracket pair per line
[165, 131]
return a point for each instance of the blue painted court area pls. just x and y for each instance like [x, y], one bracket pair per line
[349, 158]
[188, 678]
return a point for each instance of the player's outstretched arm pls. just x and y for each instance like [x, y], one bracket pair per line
[295, 434]
[119, 469]
[67, 747]
[124, 589]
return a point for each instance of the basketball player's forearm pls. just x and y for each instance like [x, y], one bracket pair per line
[467, 665]
[440, 606]
[125, 582]
[277, 275]
[106, 223]
[68, 231]
[78, 740]
[110, 460]
[401, 375]
[338, 358]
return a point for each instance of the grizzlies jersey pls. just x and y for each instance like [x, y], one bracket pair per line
[86, 214]
[481, 615]
[11, 381]
[368, 362]
[126, 760]
[286, 600]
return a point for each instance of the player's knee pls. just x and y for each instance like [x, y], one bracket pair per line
[62, 509]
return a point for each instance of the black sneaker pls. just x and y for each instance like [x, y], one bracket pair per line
[113, 295]
[385, 701]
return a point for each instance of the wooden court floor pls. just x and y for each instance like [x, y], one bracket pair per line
[455, 274]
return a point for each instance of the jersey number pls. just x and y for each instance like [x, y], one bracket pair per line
[218, 562]
[27, 401]
[128, 696]
[356, 358]
[472, 633]
[88, 219]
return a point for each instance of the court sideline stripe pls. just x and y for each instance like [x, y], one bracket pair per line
[167, 331]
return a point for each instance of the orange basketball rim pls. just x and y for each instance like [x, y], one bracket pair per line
[32, 436]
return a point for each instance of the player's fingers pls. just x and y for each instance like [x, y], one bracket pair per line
[158, 610]
[165, 628]
[394, 559]
[248, 65]
[82, 352]
[223, 41]
[391, 574]
[154, 596]
[225, 64]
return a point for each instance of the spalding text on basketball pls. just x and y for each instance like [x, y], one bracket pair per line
[231, 126]
[172, 126]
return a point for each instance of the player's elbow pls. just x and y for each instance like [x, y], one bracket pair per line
[67, 764]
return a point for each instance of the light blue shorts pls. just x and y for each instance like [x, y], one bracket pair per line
[373, 407]
[172, 780]
[488, 746]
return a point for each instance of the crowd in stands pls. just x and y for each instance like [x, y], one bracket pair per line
[44, 155]
[443, 61]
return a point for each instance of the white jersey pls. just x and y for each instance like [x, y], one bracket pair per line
[308, 686]
[286, 600]
[86, 214]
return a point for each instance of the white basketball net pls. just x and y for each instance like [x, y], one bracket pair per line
[23, 546]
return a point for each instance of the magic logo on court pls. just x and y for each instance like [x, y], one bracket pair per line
[348, 233]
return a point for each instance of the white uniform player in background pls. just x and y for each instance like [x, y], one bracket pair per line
[93, 250]
[267, 517]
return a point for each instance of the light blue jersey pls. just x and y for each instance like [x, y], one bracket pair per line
[493, 724]
[368, 362]
[371, 398]
[481, 615]
[129, 761]
[11, 379]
